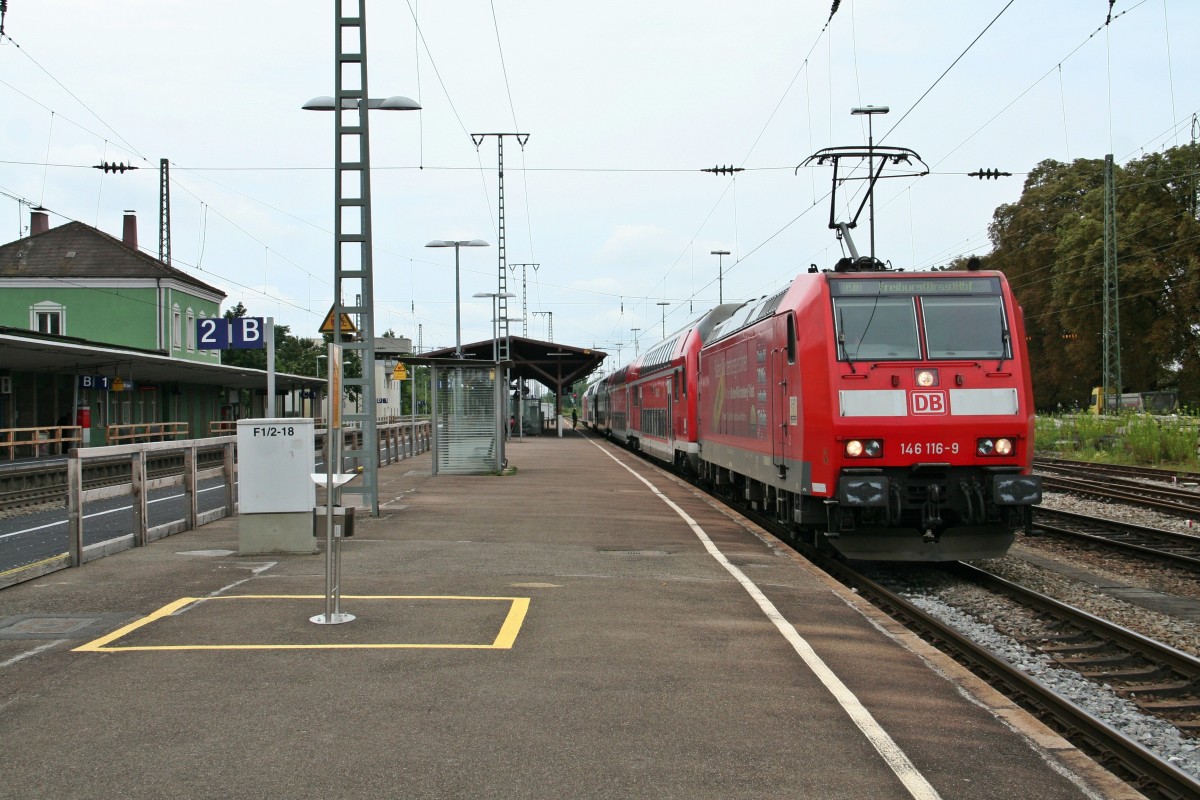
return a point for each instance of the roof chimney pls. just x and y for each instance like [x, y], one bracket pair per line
[39, 221]
[129, 234]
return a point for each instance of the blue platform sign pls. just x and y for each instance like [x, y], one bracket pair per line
[239, 333]
[95, 382]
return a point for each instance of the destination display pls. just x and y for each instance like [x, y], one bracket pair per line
[911, 286]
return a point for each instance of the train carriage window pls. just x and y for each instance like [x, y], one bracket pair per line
[876, 328]
[965, 327]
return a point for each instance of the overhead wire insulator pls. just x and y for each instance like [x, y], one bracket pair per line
[109, 166]
[719, 170]
[988, 174]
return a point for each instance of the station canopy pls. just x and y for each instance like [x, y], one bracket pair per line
[29, 351]
[553, 365]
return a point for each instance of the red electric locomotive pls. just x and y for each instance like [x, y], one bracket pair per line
[887, 414]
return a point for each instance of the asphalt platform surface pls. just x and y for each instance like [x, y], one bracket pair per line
[569, 631]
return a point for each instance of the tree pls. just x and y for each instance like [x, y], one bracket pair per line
[1050, 243]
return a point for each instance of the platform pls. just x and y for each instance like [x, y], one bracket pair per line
[586, 628]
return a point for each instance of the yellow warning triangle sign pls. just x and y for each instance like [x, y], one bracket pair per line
[400, 373]
[347, 324]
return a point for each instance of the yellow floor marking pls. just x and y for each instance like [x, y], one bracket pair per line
[519, 607]
[34, 565]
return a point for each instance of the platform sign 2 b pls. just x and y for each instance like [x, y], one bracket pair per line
[239, 333]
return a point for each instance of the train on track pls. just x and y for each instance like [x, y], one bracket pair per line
[887, 415]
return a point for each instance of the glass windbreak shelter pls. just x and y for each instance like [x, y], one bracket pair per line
[467, 431]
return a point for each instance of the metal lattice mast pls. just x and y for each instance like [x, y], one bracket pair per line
[525, 297]
[164, 211]
[502, 285]
[353, 171]
[1112, 319]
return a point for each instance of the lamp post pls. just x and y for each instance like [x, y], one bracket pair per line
[352, 176]
[663, 304]
[720, 254]
[870, 112]
[457, 302]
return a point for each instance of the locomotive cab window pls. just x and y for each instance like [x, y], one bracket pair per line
[876, 328]
[965, 327]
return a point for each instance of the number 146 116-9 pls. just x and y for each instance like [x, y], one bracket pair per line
[929, 448]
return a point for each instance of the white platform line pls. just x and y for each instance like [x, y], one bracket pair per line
[895, 758]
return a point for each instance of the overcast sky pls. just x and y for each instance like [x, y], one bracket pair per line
[624, 103]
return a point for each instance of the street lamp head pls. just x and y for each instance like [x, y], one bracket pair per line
[395, 103]
[870, 110]
[458, 243]
[720, 252]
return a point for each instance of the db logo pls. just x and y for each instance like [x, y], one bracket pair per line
[928, 402]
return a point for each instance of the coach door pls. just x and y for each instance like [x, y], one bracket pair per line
[669, 422]
[783, 359]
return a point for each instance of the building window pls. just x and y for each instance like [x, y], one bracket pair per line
[176, 328]
[191, 330]
[48, 317]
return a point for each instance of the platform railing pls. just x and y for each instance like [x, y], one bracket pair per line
[40, 441]
[397, 441]
[140, 487]
[133, 433]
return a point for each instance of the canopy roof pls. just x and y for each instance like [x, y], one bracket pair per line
[553, 365]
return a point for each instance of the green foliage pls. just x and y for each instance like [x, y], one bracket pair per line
[294, 355]
[1050, 243]
[1120, 439]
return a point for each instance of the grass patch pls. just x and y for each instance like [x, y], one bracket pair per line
[1138, 439]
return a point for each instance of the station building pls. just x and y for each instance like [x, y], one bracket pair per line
[99, 336]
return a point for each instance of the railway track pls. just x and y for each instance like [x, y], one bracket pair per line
[1161, 680]
[1177, 549]
[1179, 502]
[47, 483]
[1117, 470]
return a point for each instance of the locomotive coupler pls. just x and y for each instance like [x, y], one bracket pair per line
[931, 514]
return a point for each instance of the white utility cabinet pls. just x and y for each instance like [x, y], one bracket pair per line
[276, 494]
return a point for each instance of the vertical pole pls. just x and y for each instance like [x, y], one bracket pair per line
[75, 507]
[189, 487]
[164, 211]
[1112, 319]
[352, 204]
[457, 308]
[138, 480]
[270, 337]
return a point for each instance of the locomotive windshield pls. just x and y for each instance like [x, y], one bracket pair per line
[876, 328]
[877, 320]
[965, 327]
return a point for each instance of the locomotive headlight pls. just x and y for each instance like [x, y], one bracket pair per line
[864, 448]
[994, 447]
[926, 377]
